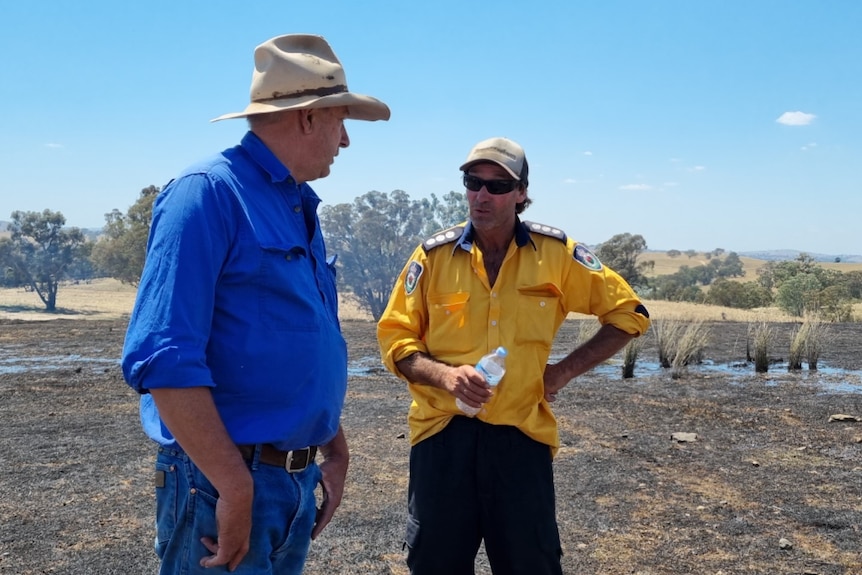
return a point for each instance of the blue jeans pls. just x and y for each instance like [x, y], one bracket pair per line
[283, 515]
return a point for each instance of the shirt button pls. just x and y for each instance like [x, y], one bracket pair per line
[494, 322]
[493, 294]
[448, 312]
[288, 257]
[297, 209]
[541, 304]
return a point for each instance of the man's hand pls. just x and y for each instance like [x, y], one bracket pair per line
[469, 385]
[607, 341]
[336, 458]
[555, 380]
[191, 415]
[233, 523]
[463, 381]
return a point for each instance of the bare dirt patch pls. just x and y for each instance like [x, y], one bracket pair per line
[767, 464]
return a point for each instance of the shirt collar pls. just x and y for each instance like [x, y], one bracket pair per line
[264, 158]
[522, 236]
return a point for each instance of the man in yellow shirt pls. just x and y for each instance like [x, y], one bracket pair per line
[493, 281]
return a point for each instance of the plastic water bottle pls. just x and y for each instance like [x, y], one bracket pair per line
[493, 368]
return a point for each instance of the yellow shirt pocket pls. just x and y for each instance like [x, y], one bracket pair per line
[538, 308]
[448, 326]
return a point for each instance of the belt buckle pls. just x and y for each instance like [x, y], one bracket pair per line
[298, 456]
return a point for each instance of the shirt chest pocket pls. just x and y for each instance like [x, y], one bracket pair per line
[538, 307]
[289, 295]
[448, 323]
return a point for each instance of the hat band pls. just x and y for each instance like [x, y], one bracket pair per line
[325, 91]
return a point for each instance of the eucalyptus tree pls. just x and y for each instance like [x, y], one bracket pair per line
[40, 251]
[374, 235]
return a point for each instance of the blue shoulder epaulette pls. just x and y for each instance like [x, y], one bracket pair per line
[444, 237]
[546, 230]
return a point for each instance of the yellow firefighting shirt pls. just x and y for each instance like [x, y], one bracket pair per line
[443, 305]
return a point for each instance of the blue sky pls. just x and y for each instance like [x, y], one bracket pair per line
[697, 124]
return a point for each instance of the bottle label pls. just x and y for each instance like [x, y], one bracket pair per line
[492, 379]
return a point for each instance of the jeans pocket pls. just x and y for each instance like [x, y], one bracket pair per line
[200, 486]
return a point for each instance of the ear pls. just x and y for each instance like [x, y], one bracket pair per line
[306, 120]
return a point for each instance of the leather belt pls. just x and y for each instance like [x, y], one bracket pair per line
[292, 461]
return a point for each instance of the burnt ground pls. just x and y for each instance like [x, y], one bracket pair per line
[767, 464]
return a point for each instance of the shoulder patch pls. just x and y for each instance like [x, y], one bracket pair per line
[546, 230]
[442, 238]
[587, 258]
[411, 280]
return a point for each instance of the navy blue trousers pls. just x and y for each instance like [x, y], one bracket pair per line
[475, 481]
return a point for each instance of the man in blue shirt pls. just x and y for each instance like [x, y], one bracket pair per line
[234, 341]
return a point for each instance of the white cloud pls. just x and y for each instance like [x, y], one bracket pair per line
[795, 118]
[697, 169]
[636, 187]
[570, 181]
[809, 146]
[53, 145]
[588, 153]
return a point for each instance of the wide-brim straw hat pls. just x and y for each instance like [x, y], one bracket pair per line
[299, 71]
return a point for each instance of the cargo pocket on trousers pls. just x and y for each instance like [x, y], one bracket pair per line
[411, 537]
[166, 505]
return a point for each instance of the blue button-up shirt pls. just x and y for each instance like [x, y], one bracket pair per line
[236, 295]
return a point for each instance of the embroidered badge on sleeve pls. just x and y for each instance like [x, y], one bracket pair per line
[414, 272]
[587, 258]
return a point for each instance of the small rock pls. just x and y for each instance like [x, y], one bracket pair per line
[755, 463]
[684, 437]
[784, 544]
[842, 417]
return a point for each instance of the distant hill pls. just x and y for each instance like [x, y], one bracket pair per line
[786, 255]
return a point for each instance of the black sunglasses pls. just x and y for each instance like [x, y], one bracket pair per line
[495, 187]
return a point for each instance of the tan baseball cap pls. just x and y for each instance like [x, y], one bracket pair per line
[503, 152]
[298, 71]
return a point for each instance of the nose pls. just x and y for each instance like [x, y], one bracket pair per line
[345, 139]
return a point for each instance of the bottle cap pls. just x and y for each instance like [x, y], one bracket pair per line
[501, 351]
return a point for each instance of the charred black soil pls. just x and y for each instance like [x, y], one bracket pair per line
[766, 483]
